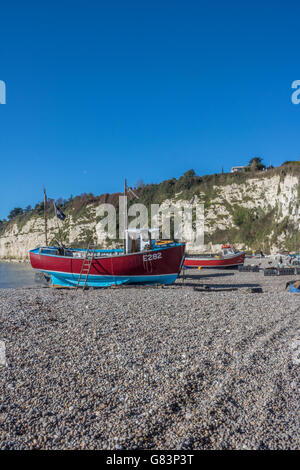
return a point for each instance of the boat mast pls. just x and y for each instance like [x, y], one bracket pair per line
[45, 215]
[125, 214]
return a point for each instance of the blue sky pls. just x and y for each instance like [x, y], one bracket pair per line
[97, 91]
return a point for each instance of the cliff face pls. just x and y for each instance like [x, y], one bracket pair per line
[259, 212]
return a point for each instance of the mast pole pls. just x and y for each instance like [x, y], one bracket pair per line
[45, 215]
[125, 214]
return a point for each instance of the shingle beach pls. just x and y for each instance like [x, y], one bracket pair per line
[152, 368]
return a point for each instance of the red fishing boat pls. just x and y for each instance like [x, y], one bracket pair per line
[142, 262]
[229, 257]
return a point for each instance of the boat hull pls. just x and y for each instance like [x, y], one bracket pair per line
[214, 262]
[160, 266]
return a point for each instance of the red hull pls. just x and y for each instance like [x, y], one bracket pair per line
[220, 262]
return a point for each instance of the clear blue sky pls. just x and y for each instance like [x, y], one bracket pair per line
[100, 90]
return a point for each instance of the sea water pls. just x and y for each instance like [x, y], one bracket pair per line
[17, 275]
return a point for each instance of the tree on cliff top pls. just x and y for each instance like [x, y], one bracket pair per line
[256, 164]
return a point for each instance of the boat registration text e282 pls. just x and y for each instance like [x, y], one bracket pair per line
[152, 256]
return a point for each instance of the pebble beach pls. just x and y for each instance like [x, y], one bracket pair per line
[151, 367]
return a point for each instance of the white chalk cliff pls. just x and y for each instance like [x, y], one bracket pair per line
[278, 195]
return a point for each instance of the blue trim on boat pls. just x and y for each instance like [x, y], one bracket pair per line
[70, 280]
[48, 251]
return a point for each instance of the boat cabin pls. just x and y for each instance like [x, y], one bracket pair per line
[140, 239]
[228, 250]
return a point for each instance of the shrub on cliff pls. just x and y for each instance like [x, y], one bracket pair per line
[14, 213]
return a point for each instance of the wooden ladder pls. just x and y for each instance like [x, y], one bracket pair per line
[86, 266]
